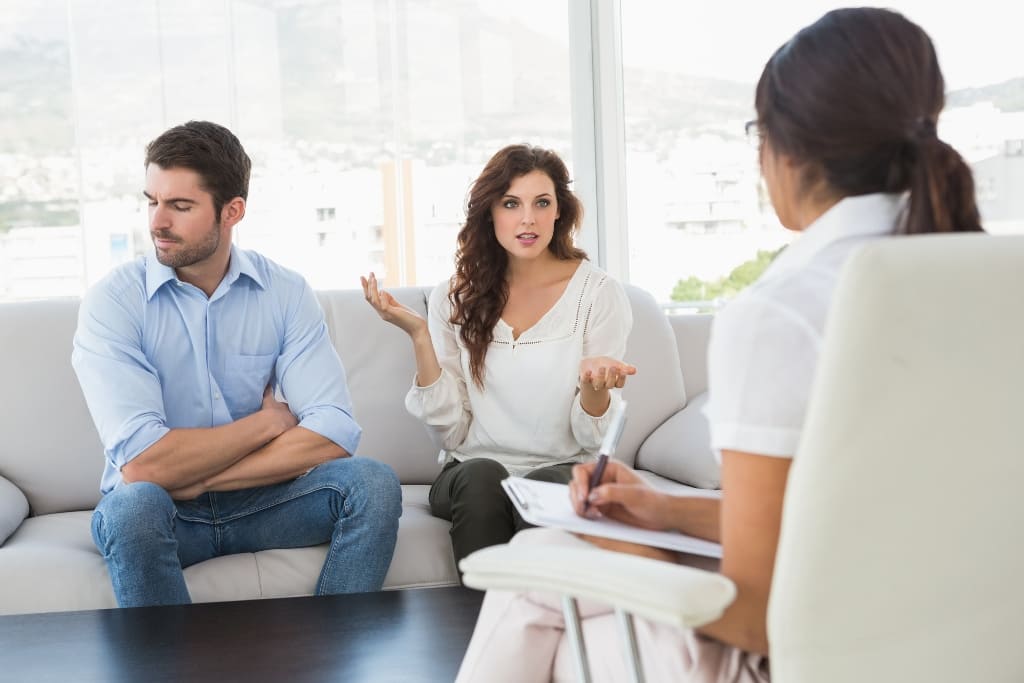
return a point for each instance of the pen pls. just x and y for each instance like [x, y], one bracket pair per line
[608, 446]
[519, 499]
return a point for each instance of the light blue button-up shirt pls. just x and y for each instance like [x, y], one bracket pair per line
[153, 353]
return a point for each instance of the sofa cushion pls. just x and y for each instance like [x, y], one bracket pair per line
[380, 367]
[50, 449]
[423, 555]
[51, 564]
[13, 508]
[692, 332]
[656, 391]
[680, 448]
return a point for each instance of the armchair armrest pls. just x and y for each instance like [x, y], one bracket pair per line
[13, 508]
[662, 592]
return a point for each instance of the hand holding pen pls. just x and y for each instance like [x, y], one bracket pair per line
[620, 494]
[606, 487]
[597, 468]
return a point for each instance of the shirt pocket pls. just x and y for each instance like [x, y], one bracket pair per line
[245, 378]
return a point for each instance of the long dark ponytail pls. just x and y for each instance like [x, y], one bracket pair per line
[855, 98]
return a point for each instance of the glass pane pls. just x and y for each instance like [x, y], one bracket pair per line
[700, 225]
[40, 240]
[366, 121]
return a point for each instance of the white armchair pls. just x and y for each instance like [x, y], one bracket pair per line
[900, 556]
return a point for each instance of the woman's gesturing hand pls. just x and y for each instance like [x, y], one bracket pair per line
[390, 310]
[600, 373]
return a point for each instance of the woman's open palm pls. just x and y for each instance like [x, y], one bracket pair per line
[389, 309]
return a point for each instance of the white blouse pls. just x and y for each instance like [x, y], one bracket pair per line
[528, 414]
[764, 345]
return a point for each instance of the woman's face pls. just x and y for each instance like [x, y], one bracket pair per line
[524, 217]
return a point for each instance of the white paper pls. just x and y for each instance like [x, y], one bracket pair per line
[544, 503]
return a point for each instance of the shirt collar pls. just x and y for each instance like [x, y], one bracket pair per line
[157, 274]
[869, 215]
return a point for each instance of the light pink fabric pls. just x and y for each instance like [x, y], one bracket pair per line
[519, 638]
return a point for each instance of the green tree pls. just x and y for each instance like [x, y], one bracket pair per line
[695, 289]
[690, 289]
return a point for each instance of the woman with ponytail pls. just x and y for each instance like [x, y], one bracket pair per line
[517, 361]
[846, 117]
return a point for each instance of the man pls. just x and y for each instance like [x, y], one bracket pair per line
[182, 358]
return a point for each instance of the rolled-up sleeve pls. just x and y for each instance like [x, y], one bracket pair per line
[608, 327]
[312, 377]
[444, 405]
[121, 387]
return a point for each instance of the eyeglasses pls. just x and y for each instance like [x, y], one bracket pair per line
[754, 132]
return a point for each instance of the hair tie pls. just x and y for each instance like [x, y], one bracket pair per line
[923, 130]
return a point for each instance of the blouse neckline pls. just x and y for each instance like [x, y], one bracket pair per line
[569, 286]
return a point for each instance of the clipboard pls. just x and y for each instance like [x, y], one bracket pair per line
[544, 503]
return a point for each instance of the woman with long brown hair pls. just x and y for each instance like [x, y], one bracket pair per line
[846, 119]
[516, 363]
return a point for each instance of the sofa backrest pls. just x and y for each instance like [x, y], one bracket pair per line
[48, 445]
[380, 367]
[50, 450]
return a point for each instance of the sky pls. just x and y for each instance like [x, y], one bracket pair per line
[977, 42]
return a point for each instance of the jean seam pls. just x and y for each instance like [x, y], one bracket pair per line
[281, 501]
[326, 570]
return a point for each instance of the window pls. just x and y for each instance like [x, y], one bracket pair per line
[365, 118]
[700, 225]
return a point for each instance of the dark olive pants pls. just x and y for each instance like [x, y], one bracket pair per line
[469, 495]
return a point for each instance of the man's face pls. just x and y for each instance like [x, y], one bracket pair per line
[182, 222]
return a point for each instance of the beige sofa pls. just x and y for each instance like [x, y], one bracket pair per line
[51, 457]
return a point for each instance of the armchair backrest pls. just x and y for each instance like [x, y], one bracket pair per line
[901, 556]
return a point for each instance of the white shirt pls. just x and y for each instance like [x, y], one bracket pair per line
[528, 414]
[765, 344]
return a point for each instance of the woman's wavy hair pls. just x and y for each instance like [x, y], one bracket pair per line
[479, 290]
[855, 98]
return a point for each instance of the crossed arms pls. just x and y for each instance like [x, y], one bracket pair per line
[264, 448]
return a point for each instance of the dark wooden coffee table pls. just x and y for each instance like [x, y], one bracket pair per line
[407, 636]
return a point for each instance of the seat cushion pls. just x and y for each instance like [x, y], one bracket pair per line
[51, 564]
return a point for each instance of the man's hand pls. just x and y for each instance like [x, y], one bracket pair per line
[621, 495]
[280, 411]
[189, 492]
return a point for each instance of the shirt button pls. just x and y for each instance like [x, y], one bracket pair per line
[216, 395]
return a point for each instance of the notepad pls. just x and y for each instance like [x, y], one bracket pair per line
[544, 503]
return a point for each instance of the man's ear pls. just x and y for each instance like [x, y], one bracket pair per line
[232, 212]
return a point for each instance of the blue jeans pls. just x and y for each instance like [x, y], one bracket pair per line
[147, 538]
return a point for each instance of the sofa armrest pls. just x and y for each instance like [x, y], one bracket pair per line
[666, 593]
[13, 508]
[680, 448]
